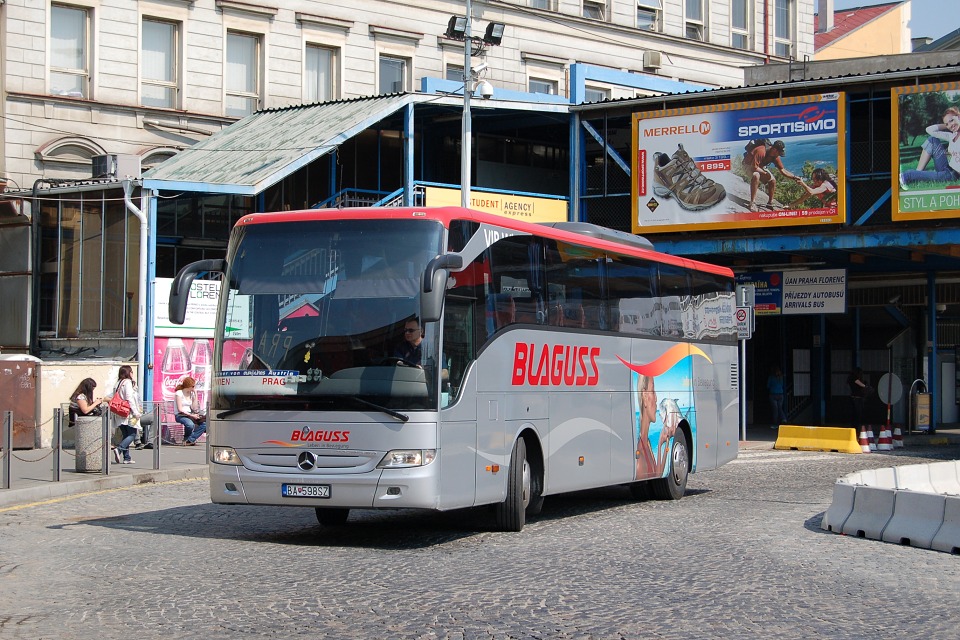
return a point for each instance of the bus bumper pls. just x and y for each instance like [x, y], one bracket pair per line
[409, 488]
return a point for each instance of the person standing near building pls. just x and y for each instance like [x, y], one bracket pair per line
[776, 393]
[858, 391]
[127, 389]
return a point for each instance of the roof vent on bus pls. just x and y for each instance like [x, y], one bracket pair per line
[603, 233]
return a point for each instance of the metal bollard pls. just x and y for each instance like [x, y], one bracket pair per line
[155, 436]
[57, 442]
[106, 443]
[7, 448]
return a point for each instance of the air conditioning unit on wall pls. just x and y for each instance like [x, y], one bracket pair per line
[652, 59]
[115, 165]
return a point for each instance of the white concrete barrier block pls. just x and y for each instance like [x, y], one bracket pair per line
[872, 510]
[944, 478]
[914, 477]
[886, 478]
[947, 538]
[868, 477]
[916, 519]
[840, 509]
[853, 478]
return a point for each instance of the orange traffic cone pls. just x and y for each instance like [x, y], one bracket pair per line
[886, 440]
[864, 442]
[871, 439]
[897, 437]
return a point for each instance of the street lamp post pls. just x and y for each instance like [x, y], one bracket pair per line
[459, 28]
[466, 136]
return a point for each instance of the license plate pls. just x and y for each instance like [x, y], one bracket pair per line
[305, 490]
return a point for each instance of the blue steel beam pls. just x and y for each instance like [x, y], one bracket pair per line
[891, 239]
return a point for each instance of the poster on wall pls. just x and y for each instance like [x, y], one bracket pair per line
[752, 164]
[926, 154]
[814, 292]
[526, 208]
[767, 291]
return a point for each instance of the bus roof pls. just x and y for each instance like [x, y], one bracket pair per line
[579, 233]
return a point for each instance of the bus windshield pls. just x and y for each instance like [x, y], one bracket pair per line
[323, 314]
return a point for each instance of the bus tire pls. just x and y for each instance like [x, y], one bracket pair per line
[675, 484]
[535, 505]
[640, 490]
[512, 511]
[332, 517]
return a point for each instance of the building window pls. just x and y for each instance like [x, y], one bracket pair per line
[594, 10]
[695, 20]
[595, 95]
[69, 51]
[89, 266]
[649, 13]
[158, 70]
[393, 75]
[740, 24]
[538, 85]
[242, 74]
[783, 28]
[454, 73]
[320, 74]
[546, 5]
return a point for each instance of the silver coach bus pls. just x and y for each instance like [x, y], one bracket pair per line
[443, 358]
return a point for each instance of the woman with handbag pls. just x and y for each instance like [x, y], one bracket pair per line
[189, 412]
[125, 411]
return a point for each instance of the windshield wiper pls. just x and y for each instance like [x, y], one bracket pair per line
[230, 412]
[402, 417]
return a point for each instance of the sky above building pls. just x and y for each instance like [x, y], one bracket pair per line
[928, 17]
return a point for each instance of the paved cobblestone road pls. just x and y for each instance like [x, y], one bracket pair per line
[742, 555]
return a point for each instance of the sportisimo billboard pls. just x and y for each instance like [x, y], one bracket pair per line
[751, 164]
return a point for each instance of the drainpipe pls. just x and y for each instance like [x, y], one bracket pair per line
[142, 302]
[766, 30]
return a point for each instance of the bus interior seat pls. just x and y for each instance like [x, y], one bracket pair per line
[504, 310]
[526, 310]
[555, 315]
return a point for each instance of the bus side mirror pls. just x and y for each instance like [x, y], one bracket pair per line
[435, 285]
[180, 289]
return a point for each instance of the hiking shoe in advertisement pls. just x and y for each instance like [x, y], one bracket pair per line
[679, 176]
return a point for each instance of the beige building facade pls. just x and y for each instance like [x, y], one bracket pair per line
[147, 78]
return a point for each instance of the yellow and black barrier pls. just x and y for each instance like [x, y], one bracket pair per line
[839, 439]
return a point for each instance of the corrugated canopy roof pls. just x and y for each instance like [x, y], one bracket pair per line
[262, 149]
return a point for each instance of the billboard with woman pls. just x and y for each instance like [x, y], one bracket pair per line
[926, 158]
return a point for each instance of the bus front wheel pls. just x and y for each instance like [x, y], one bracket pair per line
[512, 511]
[675, 484]
[332, 517]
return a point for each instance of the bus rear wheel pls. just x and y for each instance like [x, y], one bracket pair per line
[332, 517]
[675, 484]
[511, 513]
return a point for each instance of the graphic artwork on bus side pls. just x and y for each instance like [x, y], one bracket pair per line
[657, 422]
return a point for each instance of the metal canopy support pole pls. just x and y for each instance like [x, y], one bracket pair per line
[743, 390]
[934, 387]
[7, 447]
[467, 131]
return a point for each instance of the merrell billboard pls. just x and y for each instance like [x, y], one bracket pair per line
[926, 152]
[752, 164]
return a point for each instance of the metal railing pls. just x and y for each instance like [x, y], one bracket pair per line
[97, 441]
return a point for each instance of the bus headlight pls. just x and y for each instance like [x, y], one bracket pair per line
[400, 458]
[225, 455]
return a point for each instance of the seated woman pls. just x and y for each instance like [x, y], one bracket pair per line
[82, 402]
[189, 411]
